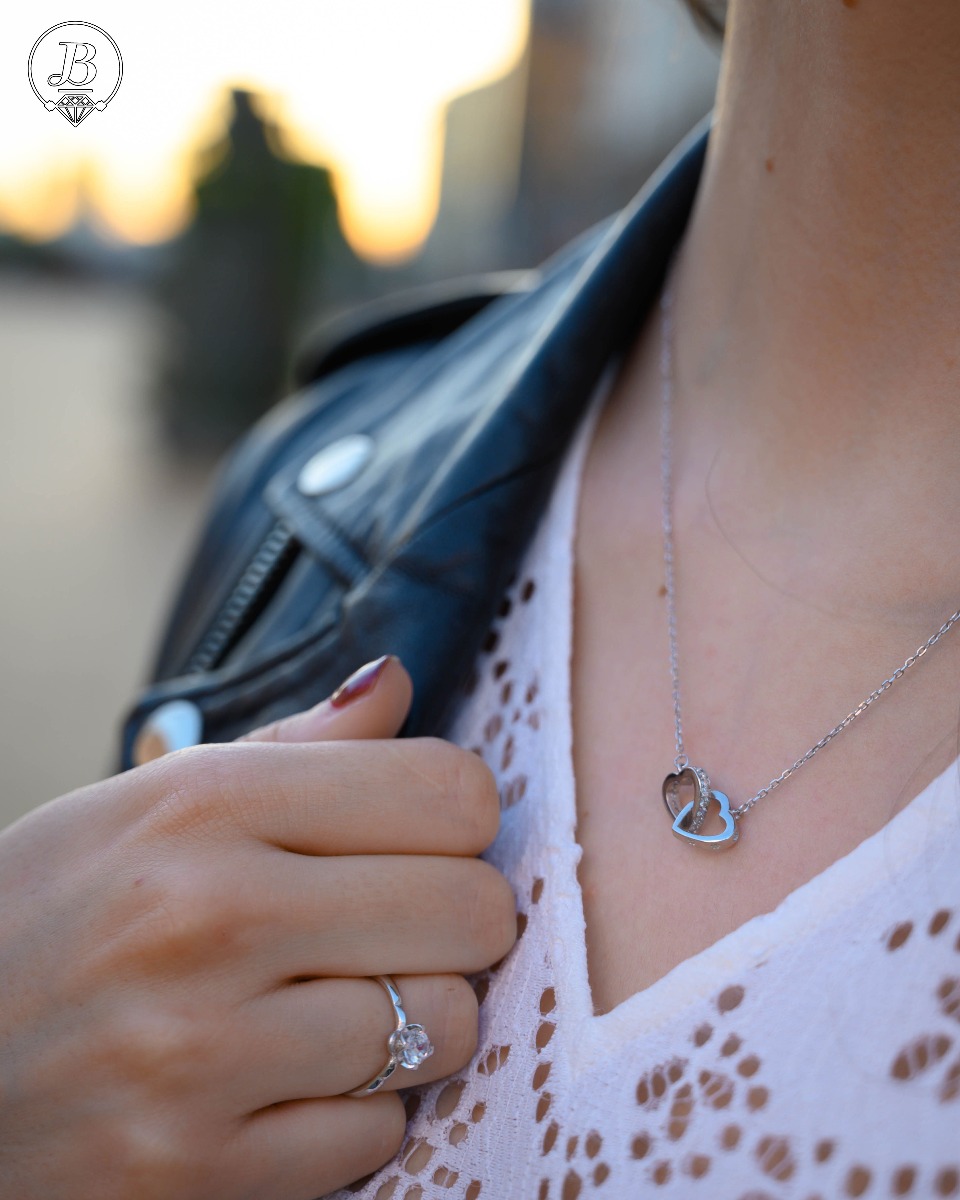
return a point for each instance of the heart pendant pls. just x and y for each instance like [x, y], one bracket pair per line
[686, 831]
[688, 791]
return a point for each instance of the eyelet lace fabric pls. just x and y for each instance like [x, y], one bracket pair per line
[813, 1052]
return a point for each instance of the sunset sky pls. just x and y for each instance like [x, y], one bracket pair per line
[359, 85]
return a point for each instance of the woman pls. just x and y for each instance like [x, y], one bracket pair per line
[751, 528]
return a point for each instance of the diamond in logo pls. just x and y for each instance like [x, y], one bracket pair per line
[75, 107]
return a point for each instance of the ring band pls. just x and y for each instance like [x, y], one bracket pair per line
[407, 1046]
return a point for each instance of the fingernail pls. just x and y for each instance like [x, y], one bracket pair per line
[361, 682]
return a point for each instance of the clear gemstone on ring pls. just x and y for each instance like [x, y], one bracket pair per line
[409, 1046]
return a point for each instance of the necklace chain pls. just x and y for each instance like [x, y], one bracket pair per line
[666, 496]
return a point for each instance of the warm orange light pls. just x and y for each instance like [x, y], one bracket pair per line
[42, 206]
[359, 85]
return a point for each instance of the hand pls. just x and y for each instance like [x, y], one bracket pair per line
[184, 946]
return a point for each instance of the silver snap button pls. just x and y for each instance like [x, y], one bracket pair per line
[335, 465]
[172, 726]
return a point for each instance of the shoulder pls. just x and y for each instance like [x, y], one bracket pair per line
[456, 402]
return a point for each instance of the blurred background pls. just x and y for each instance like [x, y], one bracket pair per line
[260, 168]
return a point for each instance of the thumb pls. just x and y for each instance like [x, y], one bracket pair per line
[371, 703]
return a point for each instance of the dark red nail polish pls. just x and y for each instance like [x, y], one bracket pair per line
[360, 682]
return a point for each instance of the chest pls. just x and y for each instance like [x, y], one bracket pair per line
[762, 678]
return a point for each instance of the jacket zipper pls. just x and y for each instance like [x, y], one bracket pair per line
[263, 575]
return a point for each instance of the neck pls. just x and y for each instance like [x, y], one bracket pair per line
[818, 284]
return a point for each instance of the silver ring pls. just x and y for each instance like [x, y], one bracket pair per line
[407, 1046]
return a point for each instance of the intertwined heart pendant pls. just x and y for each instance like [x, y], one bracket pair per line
[687, 795]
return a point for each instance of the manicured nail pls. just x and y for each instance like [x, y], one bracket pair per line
[361, 682]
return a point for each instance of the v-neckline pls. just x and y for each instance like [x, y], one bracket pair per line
[862, 870]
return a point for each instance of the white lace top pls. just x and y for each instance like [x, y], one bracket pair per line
[813, 1052]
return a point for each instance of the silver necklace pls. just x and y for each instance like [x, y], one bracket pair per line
[687, 790]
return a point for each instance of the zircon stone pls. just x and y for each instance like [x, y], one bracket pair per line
[410, 1046]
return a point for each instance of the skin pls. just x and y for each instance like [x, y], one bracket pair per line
[183, 952]
[816, 489]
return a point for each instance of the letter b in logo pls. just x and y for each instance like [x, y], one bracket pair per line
[75, 54]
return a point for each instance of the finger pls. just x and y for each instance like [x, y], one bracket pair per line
[372, 703]
[325, 1037]
[403, 796]
[372, 915]
[308, 1148]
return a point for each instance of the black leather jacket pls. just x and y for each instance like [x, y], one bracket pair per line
[470, 397]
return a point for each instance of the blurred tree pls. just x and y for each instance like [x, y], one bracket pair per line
[236, 283]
